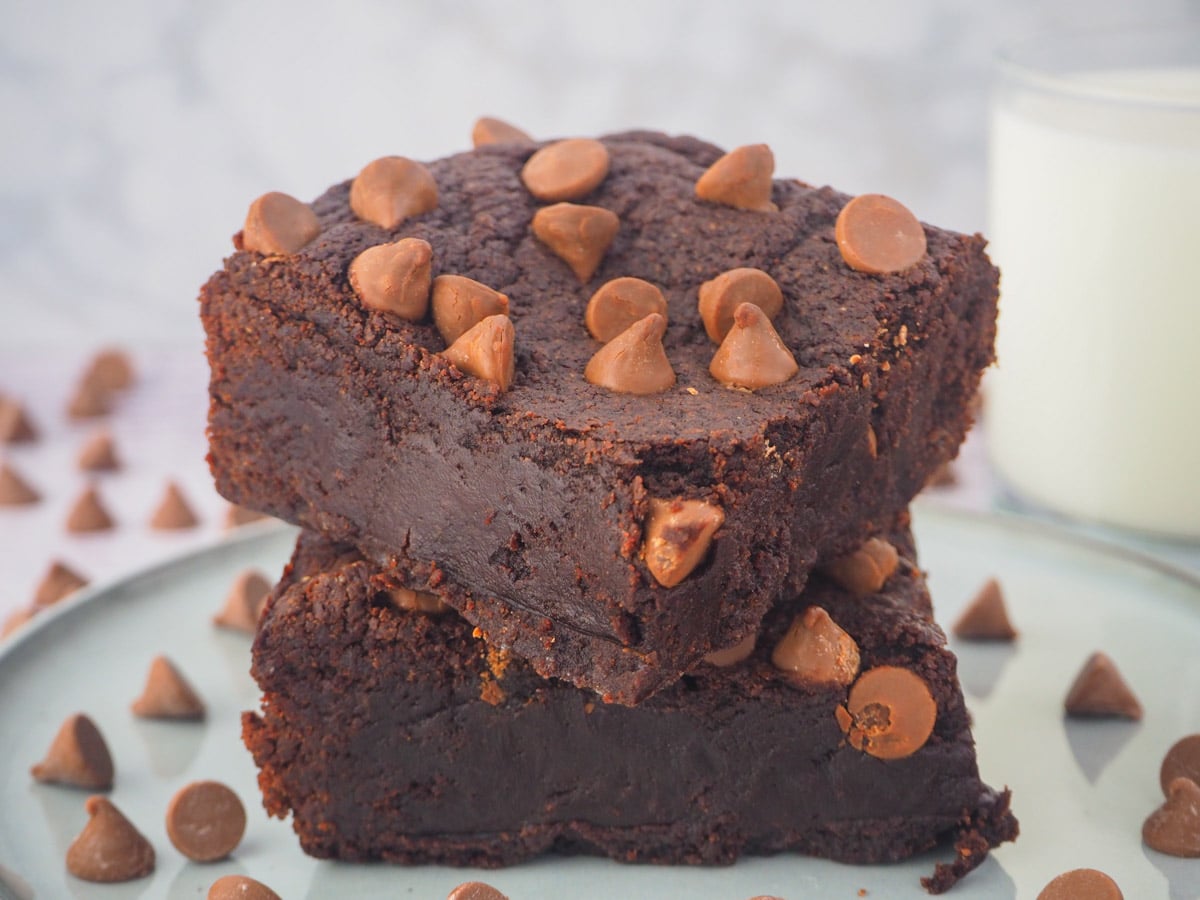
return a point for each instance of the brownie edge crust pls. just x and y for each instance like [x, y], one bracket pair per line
[391, 734]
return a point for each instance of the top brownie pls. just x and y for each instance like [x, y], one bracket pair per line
[551, 500]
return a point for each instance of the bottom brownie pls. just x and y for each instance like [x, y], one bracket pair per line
[397, 734]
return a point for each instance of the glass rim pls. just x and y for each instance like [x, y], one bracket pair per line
[1031, 62]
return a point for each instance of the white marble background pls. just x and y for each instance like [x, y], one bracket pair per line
[135, 132]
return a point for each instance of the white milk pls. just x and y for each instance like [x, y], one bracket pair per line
[1094, 221]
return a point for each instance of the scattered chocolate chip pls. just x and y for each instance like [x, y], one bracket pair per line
[239, 887]
[205, 821]
[815, 650]
[942, 476]
[237, 516]
[111, 368]
[173, 511]
[15, 490]
[244, 603]
[58, 583]
[391, 189]
[16, 619]
[566, 170]
[634, 362]
[394, 278]
[578, 235]
[678, 534]
[167, 694]
[619, 303]
[277, 223]
[752, 356]
[1181, 761]
[475, 890]
[719, 297]
[1174, 828]
[417, 601]
[867, 569]
[78, 756]
[733, 654]
[985, 618]
[890, 713]
[90, 400]
[99, 454]
[110, 848]
[1081, 884]
[15, 424]
[878, 235]
[496, 131]
[741, 178]
[461, 303]
[88, 513]
[1099, 691]
[486, 351]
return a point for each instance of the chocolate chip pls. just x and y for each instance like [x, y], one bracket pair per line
[985, 618]
[112, 369]
[741, 178]
[16, 619]
[867, 569]
[890, 713]
[417, 601]
[942, 476]
[496, 131]
[578, 235]
[815, 650]
[205, 821]
[733, 654]
[752, 356]
[244, 603]
[619, 303]
[279, 224]
[88, 513]
[110, 848]
[1081, 884]
[391, 189]
[1181, 761]
[58, 583]
[173, 511]
[878, 235]
[15, 424]
[678, 534]
[634, 362]
[461, 303]
[237, 516]
[486, 351]
[239, 887]
[475, 890]
[167, 694]
[566, 170]
[1174, 828]
[394, 278]
[99, 454]
[15, 490]
[1099, 691]
[90, 400]
[78, 756]
[722, 295]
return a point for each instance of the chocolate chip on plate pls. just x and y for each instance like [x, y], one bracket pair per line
[110, 848]
[1181, 761]
[15, 490]
[98, 454]
[239, 887]
[1081, 884]
[475, 890]
[1099, 691]
[1174, 828]
[78, 756]
[167, 694]
[237, 516]
[57, 584]
[985, 618]
[205, 821]
[15, 425]
[90, 400]
[112, 368]
[173, 511]
[89, 514]
[244, 602]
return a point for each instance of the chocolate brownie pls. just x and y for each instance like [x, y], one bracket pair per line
[539, 488]
[390, 730]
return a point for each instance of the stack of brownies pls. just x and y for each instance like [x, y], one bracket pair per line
[602, 450]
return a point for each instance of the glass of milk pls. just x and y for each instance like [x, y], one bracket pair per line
[1094, 220]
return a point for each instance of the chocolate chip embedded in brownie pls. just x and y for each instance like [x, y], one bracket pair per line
[496, 456]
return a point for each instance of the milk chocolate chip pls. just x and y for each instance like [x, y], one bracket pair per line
[239, 887]
[57, 584]
[733, 654]
[110, 848]
[496, 131]
[1174, 828]
[985, 618]
[815, 650]
[173, 511]
[729, 290]
[890, 713]
[1099, 691]
[867, 569]
[167, 694]
[89, 400]
[752, 356]
[236, 516]
[78, 756]
[740, 178]
[475, 890]
[99, 454]
[244, 603]
[394, 278]
[619, 303]
[391, 189]
[677, 537]
[460, 303]
[578, 235]
[1081, 884]
[566, 170]
[486, 351]
[878, 235]
[1181, 761]
[15, 425]
[15, 490]
[279, 224]
[88, 514]
[205, 821]
[112, 369]
[417, 601]
[634, 362]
